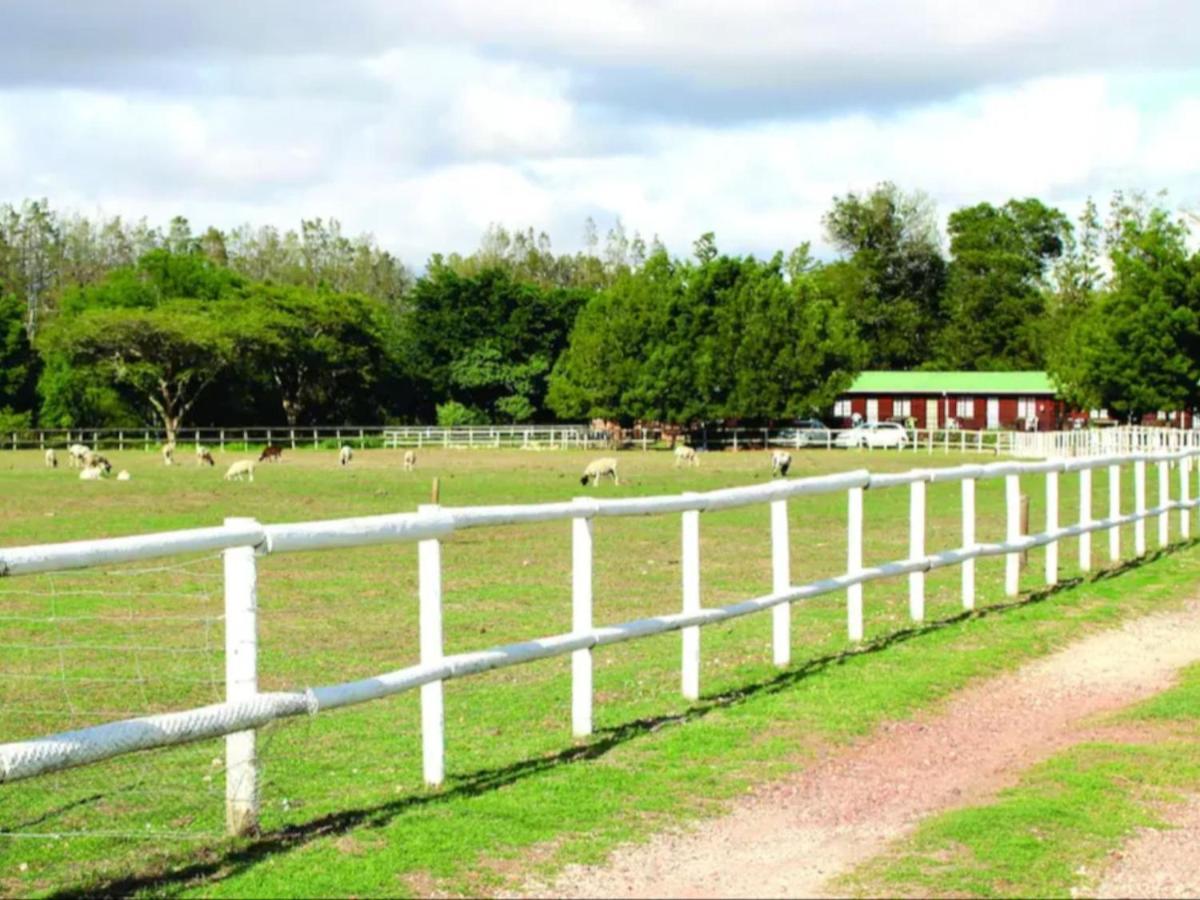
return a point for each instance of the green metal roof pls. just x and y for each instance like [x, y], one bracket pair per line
[977, 383]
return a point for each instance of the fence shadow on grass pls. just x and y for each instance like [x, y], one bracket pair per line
[240, 856]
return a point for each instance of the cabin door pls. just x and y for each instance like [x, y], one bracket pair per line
[931, 414]
[993, 412]
[872, 410]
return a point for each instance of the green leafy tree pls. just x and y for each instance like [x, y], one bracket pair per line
[18, 364]
[995, 297]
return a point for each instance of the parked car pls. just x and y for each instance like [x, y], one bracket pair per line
[806, 432]
[874, 434]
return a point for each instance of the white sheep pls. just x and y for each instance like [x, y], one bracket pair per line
[781, 460]
[242, 467]
[124, 475]
[168, 453]
[77, 452]
[410, 460]
[606, 465]
[345, 455]
[204, 455]
[91, 473]
[686, 456]
[51, 459]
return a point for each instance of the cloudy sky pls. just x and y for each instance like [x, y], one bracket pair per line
[423, 122]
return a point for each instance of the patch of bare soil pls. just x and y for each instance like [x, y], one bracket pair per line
[789, 838]
[1159, 863]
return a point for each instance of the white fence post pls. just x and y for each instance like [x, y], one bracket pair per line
[1185, 513]
[1052, 525]
[1164, 497]
[1085, 518]
[1012, 562]
[581, 618]
[241, 683]
[690, 560]
[781, 580]
[968, 536]
[854, 563]
[916, 549]
[1139, 507]
[433, 724]
[1114, 511]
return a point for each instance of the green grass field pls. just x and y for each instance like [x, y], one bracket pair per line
[344, 810]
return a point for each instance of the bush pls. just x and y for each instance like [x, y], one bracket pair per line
[452, 414]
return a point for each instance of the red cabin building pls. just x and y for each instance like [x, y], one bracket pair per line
[969, 400]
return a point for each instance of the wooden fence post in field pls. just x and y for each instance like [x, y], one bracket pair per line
[781, 580]
[916, 549]
[1139, 507]
[968, 538]
[1114, 511]
[854, 563]
[581, 616]
[1085, 518]
[1164, 497]
[1012, 561]
[433, 740]
[1052, 525]
[1185, 512]
[690, 565]
[241, 683]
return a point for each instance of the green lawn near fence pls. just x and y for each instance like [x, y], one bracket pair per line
[1051, 835]
[343, 807]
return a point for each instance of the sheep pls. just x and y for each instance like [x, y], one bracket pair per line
[271, 454]
[243, 467]
[124, 475]
[345, 455]
[685, 455]
[781, 460]
[410, 460]
[92, 459]
[91, 473]
[597, 468]
[77, 452]
[168, 453]
[204, 456]
[51, 459]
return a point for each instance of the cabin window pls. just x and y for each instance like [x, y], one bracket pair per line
[841, 408]
[902, 407]
[966, 407]
[1026, 408]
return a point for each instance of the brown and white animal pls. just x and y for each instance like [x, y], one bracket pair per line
[92, 459]
[239, 470]
[345, 455]
[410, 460]
[597, 468]
[77, 452]
[686, 456]
[51, 459]
[781, 461]
[271, 454]
[204, 455]
[168, 453]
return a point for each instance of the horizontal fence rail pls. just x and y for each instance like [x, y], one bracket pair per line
[242, 540]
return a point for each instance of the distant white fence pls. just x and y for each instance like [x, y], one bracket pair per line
[526, 437]
[1102, 441]
[246, 709]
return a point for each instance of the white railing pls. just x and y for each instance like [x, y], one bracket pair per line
[1103, 441]
[526, 437]
[246, 708]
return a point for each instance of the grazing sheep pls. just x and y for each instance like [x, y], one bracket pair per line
[77, 452]
[91, 473]
[168, 453]
[686, 456]
[271, 454]
[51, 459]
[345, 455]
[781, 460]
[597, 468]
[204, 456]
[243, 467]
[124, 475]
[410, 460]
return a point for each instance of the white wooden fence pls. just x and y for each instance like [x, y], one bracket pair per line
[1102, 441]
[246, 708]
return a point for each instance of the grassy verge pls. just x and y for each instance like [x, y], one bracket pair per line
[1050, 835]
[344, 811]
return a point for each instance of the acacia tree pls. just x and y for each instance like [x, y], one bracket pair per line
[164, 357]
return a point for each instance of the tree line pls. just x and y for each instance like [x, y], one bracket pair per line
[109, 323]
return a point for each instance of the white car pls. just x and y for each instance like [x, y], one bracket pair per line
[874, 434]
